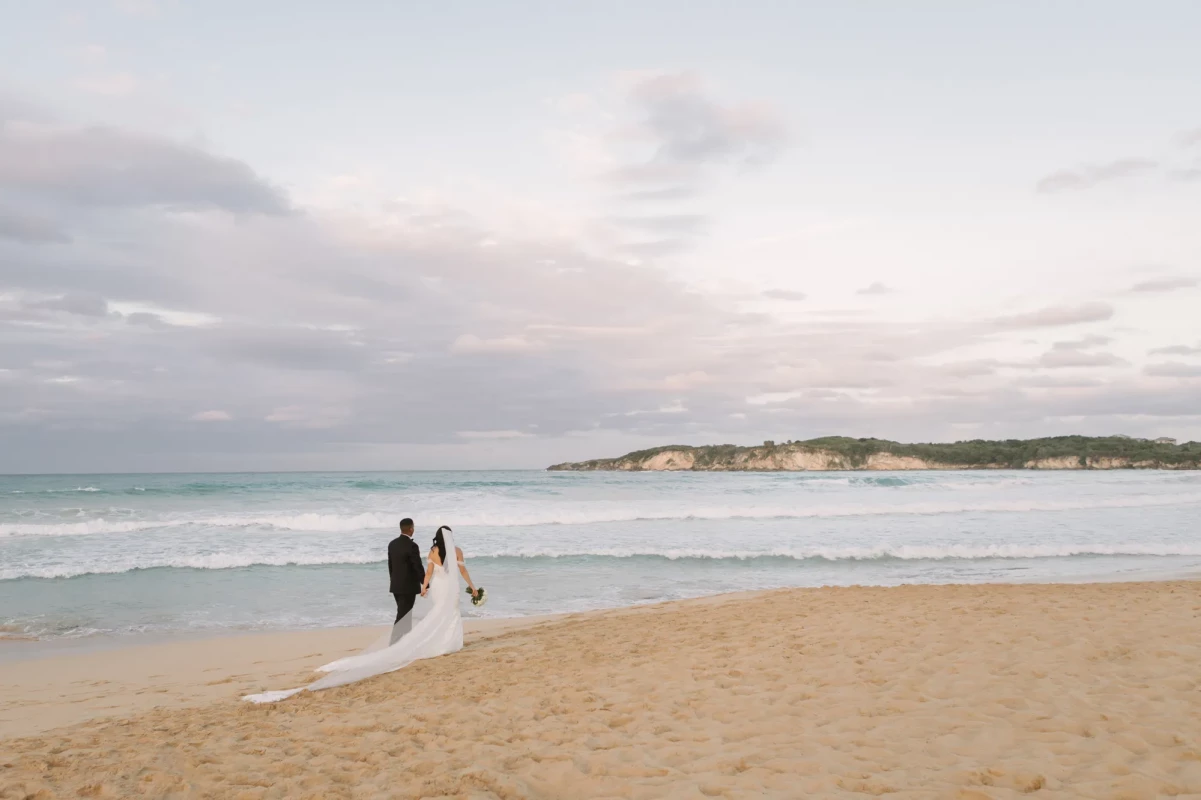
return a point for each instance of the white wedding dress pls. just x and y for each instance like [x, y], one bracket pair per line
[438, 633]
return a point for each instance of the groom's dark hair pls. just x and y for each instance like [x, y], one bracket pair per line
[406, 524]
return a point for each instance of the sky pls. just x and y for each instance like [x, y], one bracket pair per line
[381, 235]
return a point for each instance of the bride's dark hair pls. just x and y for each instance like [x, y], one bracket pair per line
[440, 542]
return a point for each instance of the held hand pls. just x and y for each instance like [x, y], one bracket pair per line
[423, 590]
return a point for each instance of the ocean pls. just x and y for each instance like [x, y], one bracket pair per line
[107, 556]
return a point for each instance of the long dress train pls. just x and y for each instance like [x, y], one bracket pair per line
[439, 633]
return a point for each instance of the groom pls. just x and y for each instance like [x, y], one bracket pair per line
[406, 574]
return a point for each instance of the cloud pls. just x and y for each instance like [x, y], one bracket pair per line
[669, 193]
[784, 294]
[612, 338]
[686, 380]
[17, 108]
[1057, 359]
[676, 176]
[1176, 350]
[1082, 343]
[685, 126]
[29, 229]
[1173, 369]
[492, 434]
[654, 247]
[1056, 316]
[1165, 285]
[308, 417]
[147, 319]
[1088, 176]
[875, 288]
[93, 53]
[287, 347]
[970, 369]
[85, 305]
[471, 344]
[108, 167]
[211, 416]
[671, 140]
[138, 8]
[1191, 138]
[142, 314]
[109, 84]
[679, 135]
[287, 414]
[1069, 380]
[666, 223]
[675, 407]
[356, 340]
[770, 398]
[1187, 175]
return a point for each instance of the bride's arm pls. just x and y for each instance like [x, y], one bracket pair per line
[463, 571]
[429, 572]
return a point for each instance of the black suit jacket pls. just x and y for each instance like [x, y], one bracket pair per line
[404, 566]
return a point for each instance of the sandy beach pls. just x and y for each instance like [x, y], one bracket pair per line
[996, 691]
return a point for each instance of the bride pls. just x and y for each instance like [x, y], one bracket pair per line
[440, 632]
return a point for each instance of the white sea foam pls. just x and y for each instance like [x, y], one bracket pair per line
[882, 552]
[92, 526]
[313, 522]
[76, 489]
[212, 561]
[872, 553]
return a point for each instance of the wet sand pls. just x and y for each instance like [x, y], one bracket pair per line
[923, 691]
[43, 693]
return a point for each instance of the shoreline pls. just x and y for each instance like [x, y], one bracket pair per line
[18, 648]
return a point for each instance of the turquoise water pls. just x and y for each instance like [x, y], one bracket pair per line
[116, 555]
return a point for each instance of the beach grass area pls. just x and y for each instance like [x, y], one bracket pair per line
[984, 691]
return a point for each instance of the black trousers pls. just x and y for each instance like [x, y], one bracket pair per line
[404, 604]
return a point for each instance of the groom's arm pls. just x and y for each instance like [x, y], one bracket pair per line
[415, 564]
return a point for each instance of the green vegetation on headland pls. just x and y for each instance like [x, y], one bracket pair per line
[844, 453]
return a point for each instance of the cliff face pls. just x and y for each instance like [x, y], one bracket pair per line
[751, 461]
[759, 460]
[802, 457]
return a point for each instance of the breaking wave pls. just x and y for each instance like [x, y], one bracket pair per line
[313, 522]
[785, 556]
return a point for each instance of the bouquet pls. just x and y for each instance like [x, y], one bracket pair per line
[479, 598]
